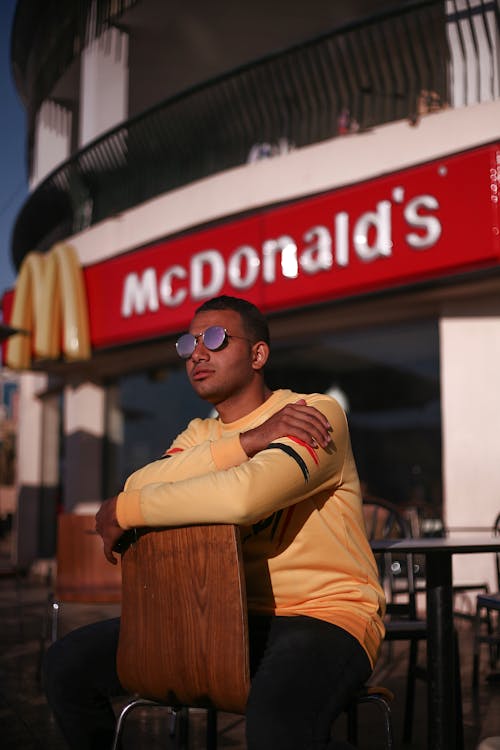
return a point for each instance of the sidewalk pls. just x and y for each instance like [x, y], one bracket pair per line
[26, 723]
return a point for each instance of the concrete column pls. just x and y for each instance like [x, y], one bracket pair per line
[52, 140]
[29, 468]
[115, 435]
[84, 420]
[50, 499]
[103, 85]
[470, 401]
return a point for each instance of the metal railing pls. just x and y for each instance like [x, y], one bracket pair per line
[380, 70]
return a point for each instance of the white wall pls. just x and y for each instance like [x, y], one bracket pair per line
[29, 441]
[52, 140]
[470, 402]
[84, 426]
[103, 85]
[84, 409]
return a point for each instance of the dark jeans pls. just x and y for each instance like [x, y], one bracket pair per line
[304, 671]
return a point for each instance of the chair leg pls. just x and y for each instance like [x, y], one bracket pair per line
[386, 709]
[352, 723]
[411, 677]
[117, 739]
[54, 622]
[182, 729]
[458, 693]
[211, 729]
[49, 631]
[476, 649]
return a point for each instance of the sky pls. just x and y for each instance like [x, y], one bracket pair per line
[13, 171]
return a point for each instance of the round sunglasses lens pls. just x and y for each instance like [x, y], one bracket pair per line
[214, 337]
[185, 345]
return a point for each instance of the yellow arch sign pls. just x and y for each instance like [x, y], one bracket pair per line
[49, 298]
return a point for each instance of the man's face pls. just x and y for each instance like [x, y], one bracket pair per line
[226, 373]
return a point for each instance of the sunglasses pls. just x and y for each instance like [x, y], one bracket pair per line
[214, 338]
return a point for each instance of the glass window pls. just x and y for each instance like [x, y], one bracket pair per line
[146, 412]
[387, 379]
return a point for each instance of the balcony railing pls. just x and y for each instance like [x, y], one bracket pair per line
[365, 74]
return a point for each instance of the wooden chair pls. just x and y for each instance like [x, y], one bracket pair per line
[184, 631]
[184, 634]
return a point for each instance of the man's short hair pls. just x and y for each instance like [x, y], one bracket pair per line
[253, 320]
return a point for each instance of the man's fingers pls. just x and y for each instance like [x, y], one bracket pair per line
[108, 553]
[307, 424]
[311, 412]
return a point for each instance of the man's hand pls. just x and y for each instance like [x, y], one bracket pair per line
[298, 420]
[107, 526]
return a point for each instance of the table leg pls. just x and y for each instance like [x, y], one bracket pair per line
[444, 734]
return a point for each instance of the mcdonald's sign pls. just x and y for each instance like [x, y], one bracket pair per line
[50, 301]
[398, 229]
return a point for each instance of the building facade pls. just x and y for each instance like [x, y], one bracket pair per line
[338, 167]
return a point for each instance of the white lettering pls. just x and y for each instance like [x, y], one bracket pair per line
[247, 254]
[167, 295]
[320, 249]
[289, 264]
[140, 294]
[380, 220]
[317, 257]
[213, 262]
[430, 224]
[342, 239]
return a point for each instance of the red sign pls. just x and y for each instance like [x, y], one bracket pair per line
[415, 224]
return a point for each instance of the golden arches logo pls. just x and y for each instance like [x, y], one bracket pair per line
[49, 299]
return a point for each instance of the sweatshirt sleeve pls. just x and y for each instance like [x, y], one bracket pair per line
[191, 454]
[281, 475]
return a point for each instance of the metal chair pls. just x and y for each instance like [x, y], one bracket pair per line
[184, 634]
[397, 574]
[384, 519]
[489, 602]
[83, 574]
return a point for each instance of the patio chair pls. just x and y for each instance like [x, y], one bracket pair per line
[83, 575]
[183, 637]
[383, 520]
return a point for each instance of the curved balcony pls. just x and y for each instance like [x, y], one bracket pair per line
[47, 37]
[359, 76]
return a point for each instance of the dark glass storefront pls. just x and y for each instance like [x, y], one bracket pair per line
[388, 380]
[386, 377]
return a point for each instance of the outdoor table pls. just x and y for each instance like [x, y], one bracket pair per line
[443, 732]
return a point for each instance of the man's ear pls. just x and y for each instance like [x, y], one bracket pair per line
[260, 355]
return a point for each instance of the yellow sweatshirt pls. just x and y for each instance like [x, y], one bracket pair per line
[304, 543]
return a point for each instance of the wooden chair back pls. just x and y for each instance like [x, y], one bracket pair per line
[83, 573]
[184, 629]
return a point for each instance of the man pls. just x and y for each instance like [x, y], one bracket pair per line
[280, 466]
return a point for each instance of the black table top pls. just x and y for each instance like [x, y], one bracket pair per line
[449, 544]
